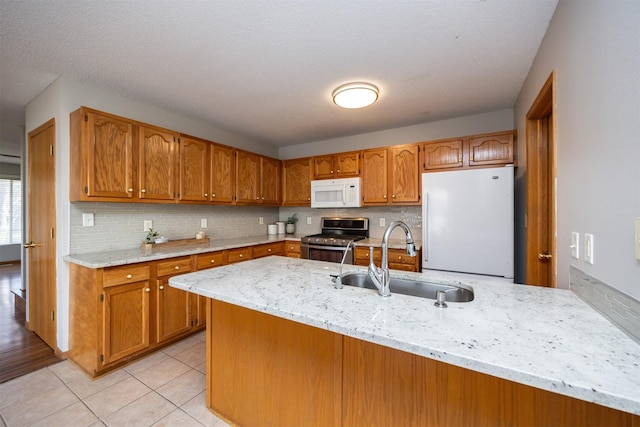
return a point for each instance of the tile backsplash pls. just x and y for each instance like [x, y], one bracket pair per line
[120, 225]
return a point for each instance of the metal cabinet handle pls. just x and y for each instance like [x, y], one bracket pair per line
[147, 290]
[161, 287]
[143, 191]
[544, 257]
[213, 261]
[130, 190]
[129, 276]
[177, 267]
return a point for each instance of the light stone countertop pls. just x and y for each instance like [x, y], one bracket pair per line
[132, 256]
[393, 243]
[546, 338]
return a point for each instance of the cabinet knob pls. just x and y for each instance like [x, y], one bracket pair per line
[161, 287]
[331, 171]
[177, 267]
[143, 191]
[129, 276]
[257, 198]
[385, 196]
[240, 255]
[205, 194]
[269, 249]
[147, 290]
[130, 190]
[393, 196]
[213, 261]
[213, 195]
[400, 257]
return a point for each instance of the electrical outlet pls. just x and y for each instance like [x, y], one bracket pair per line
[148, 224]
[308, 220]
[575, 245]
[87, 220]
[382, 222]
[261, 220]
[588, 248]
[203, 223]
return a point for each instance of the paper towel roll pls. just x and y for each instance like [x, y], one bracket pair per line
[272, 229]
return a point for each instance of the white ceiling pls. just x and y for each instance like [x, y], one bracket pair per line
[266, 69]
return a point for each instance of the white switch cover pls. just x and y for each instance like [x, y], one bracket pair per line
[382, 222]
[203, 222]
[148, 224]
[87, 220]
[588, 248]
[261, 220]
[308, 220]
[637, 238]
[575, 245]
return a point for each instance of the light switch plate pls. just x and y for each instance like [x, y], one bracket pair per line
[382, 222]
[308, 220]
[87, 220]
[261, 220]
[588, 248]
[148, 224]
[203, 222]
[637, 238]
[575, 245]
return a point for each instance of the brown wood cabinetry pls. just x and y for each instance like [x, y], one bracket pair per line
[101, 155]
[247, 177]
[199, 302]
[342, 165]
[157, 165]
[268, 249]
[223, 174]
[296, 182]
[173, 306]
[239, 254]
[398, 258]
[404, 179]
[292, 249]
[486, 150]
[270, 176]
[211, 260]
[193, 179]
[375, 177]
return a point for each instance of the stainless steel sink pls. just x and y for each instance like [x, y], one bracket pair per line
[414, 288]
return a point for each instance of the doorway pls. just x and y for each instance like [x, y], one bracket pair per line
[541, 188]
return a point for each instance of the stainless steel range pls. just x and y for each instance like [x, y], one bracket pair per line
[331, 243]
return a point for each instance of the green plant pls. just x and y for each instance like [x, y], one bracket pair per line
[292, 219]
[151, 234]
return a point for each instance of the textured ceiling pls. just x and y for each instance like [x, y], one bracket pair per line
[266, 69]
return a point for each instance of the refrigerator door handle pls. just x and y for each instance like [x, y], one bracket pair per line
[425, 224]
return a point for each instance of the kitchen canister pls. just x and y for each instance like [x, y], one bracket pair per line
[272, 229]
[280, 225]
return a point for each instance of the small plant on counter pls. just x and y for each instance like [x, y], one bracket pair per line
[151, 235]
[292, 219]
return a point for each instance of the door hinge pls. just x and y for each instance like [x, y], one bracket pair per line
[51, 150]
[53, 316]
[86, 117]
[53, 233]
[101, 297]
[102, 358]
[86, 190]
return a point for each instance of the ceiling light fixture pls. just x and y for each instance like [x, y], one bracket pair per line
[355, 95]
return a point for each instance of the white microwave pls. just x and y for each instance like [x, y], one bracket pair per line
[336, 193]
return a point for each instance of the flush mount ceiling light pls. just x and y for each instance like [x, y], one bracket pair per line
[355, 95]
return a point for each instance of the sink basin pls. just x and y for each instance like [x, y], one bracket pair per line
[414, 288]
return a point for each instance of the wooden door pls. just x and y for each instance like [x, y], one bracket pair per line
[194, 170]
[41, 238]
[374, 177]
[323, 167]
[157, 163]
[443, 155]
[173, 311]
[296, 185]
[405, 174]
[247, 177]
[125, 320]
[270, 171]
[541, 222]
[223, 174]
[109, 156]
[347, 164]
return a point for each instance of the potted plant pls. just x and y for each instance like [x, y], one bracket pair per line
[147, 243]
[291, 224]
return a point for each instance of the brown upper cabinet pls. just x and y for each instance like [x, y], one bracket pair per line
[193, 179]
[223, 174]
[375, 176]
[257, 179]
[158, 165]
[342, 165]
[492, 149]
[391, 175]
[296, 182]
[270, 181]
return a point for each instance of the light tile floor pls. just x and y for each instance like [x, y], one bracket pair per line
[166, 388]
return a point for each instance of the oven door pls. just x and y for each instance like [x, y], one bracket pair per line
[325, 253]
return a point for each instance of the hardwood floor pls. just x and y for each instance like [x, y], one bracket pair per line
[21, 351]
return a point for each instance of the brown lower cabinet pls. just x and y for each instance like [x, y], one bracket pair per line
[398, 258]
[265, 370]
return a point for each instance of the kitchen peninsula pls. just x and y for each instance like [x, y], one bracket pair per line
[286, 348]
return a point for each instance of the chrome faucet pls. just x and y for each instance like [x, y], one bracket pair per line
[338, 279]
[380, 276]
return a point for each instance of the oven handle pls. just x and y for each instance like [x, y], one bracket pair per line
[331, 248]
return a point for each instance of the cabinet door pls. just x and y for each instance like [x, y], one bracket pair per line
[223, 174]
[405, 174]
[443, 155]
[292, 249]
[198, 311]
[248, 177]
[347, 164]
[323, 167]
[374, 177]
[194, 170]
[126, 320]
[270, 172]
[297, 182]
[157, 163]
[109, 156]
[172, 311]
[491, 150]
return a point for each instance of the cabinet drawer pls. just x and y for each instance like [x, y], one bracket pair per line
[362, 254]
[239, 254]
[123, 275]
[174, 266]
[268, 249]
[210, 260]
[292, 249]
[399, 256]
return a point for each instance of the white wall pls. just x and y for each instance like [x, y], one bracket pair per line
[460, 126]
[594, 46]
[10, 252]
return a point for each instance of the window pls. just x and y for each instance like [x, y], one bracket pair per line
[10, 211]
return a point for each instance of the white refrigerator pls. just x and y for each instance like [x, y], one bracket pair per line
[467, 221]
